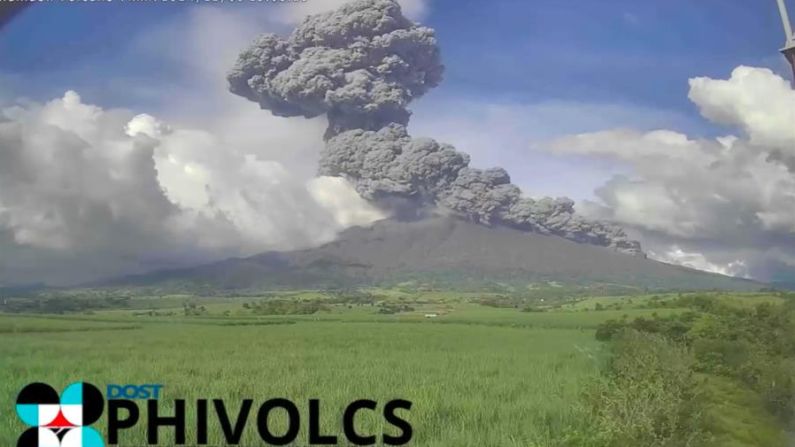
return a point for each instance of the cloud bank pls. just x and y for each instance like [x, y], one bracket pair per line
[725, 205]
[87, 193]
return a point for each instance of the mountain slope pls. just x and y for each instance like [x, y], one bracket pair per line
[440, 251]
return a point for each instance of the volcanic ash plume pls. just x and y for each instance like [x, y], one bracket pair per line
[362, 65]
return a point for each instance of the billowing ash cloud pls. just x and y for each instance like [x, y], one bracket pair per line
[361, 66]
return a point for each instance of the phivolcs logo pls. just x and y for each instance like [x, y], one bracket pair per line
[60, 421]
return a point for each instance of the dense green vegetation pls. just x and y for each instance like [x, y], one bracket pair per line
[684, 370]
[502, 369]
[646, 397]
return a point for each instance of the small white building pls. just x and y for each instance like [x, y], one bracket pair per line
[431, 315]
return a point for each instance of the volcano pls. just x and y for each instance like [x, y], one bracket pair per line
[439, 252]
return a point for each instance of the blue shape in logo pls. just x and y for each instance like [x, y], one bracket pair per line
[73, 394]
[29, 414]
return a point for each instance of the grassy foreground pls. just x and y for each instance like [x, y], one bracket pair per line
[702, 370]
[471, 385]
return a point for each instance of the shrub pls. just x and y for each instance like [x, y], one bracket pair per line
[648, 396]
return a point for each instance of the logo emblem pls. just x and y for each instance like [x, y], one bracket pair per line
[60, 421]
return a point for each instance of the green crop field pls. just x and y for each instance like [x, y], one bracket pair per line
[470, 385]
[477, 375]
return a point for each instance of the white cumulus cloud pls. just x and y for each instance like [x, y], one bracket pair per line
[725, 205]
[87, 193]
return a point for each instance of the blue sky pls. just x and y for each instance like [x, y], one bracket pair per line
[568, 66]
[608, 50]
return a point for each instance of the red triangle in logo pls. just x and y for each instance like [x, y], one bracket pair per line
[60, 421]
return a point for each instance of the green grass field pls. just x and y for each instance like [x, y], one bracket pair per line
[471, 385]
[477, 375]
